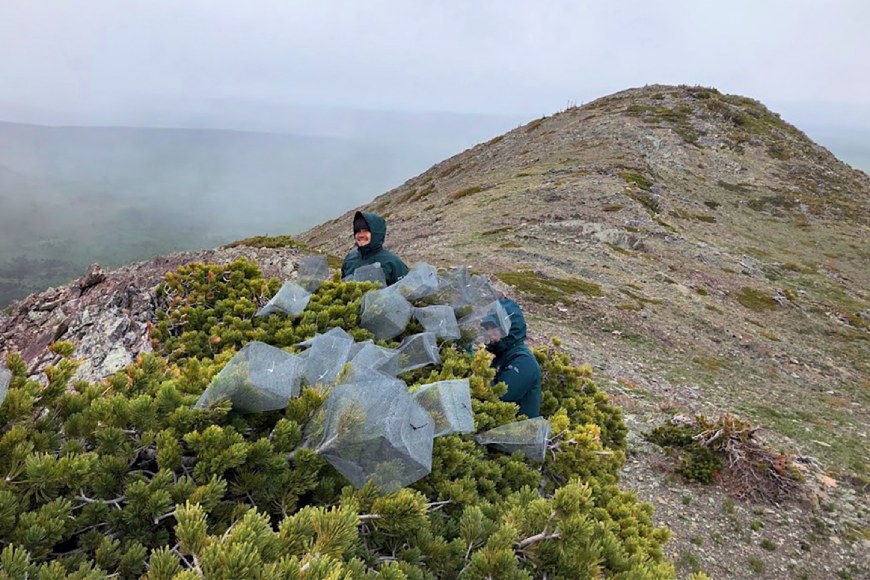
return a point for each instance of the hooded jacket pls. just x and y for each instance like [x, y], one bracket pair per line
[393, 266]
[516, 366]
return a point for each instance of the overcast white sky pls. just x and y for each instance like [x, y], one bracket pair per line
[70, 60]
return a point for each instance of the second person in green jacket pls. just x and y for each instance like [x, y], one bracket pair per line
[514, 363]
[369, 231]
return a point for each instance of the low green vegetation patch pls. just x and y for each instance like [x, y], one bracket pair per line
[772, 202]
[499, 230]
[129, 478]
[459, 194]
[637, 179]
[641, 299]
[268, 242]
[734, 187]
[648, 201]
[549, 290]
[678, 118]
[755, 299]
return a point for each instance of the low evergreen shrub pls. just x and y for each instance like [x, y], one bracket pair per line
[125, 478]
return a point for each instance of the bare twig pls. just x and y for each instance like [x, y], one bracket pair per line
[537, 538]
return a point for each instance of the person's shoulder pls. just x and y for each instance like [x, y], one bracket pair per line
[521, 351]
[351, 255]
[386, 254]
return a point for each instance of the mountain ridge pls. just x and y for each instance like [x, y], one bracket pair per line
[700, 196]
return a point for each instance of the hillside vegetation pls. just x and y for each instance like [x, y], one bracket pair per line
[706, 259]
[701, 253]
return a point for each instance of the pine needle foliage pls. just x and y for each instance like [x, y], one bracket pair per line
[125, 478]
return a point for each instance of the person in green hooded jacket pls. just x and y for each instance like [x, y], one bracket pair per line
[514, 363]
[369, 231]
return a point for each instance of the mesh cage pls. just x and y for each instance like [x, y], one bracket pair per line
[448, 403]
[454, 287]
[385, 360]
[439, 320]
[291, 299]
[475, 327]
[335, 331]
[327, 356]
[482, 291]
[528, 437]
[258, 378]
[312, 271]
[458, 288]
[385, 313]
[356, 373]
[368, 273]
[417, 351]
[375, 431]
[420, 281]
[5, 379]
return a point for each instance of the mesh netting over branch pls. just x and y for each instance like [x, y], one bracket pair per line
[439, 320]
[291, 299]
[420, 281]
[258, 378]
[385, 313]
[417, 351]
[377, 357]
[368, 273]
[458, 288]
[326, 355]
[448, 403]
[493, 315]
[375, 431]
[312, 271]
[5, 379]
[528, 437]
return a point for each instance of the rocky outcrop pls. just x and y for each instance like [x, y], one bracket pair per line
[107, 315]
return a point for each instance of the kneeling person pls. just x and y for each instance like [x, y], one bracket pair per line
[369, 231]
[514, 363]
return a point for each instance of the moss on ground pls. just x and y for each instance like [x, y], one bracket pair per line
[268, 242]
[637, 179]
[549, 290]
[755, 300]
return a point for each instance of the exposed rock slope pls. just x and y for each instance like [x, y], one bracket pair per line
[108, 315]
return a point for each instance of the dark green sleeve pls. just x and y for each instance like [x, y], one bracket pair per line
[394, 268]
[348, 265]
[401, 269]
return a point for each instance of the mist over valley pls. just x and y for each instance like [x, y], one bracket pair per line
[71, 196]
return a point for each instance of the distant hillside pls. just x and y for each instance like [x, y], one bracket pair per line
[684, 241]
[73, 196]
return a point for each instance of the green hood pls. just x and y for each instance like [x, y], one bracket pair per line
[378, 228]
[517, 334]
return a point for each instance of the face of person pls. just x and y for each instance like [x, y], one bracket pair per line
[363, 237]
[493, 334]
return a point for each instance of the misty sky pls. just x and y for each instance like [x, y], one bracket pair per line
[109, 61]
